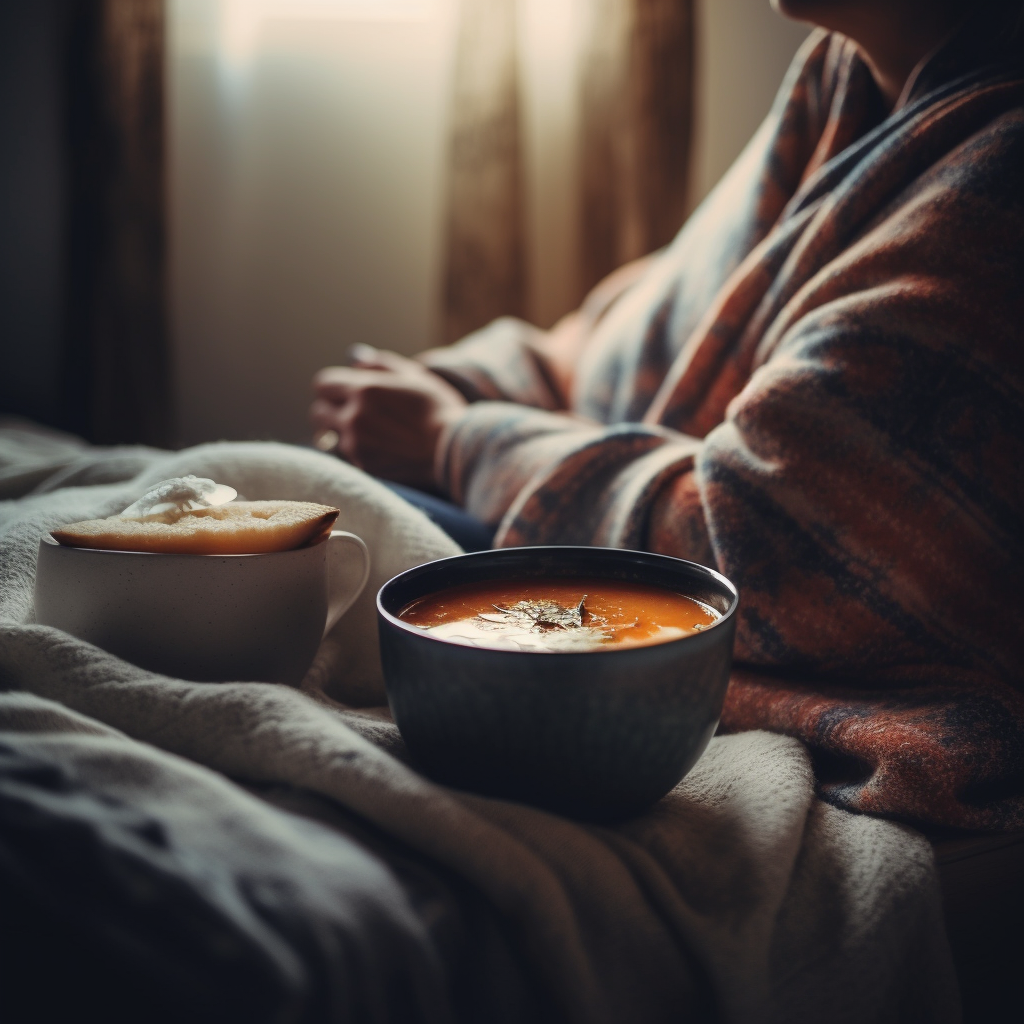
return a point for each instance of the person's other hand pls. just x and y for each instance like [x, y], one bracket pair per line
[387, 413]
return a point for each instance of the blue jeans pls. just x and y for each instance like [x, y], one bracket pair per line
[469, 533]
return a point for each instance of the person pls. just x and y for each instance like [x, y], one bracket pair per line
[817, 388]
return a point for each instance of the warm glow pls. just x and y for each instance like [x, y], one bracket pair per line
[308, 158]
[307, 142]
[244, 23]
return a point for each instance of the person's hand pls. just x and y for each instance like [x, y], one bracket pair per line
[384, 414]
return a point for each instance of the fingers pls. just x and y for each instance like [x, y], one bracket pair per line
[339, 383]
[323, 414]
[326, 441]
[366, 357]
[322, 417]
[385, 421]
[333, 428]
[332, 377]
[376, 368]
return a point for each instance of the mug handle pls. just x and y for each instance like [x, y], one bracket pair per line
[341, 566]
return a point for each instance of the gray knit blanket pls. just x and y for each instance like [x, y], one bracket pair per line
[255, 852]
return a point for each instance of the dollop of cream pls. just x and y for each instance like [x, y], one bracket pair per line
[172, 498]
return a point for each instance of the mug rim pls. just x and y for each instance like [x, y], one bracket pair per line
[723, 581]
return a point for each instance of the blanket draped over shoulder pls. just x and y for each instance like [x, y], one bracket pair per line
[819, 389]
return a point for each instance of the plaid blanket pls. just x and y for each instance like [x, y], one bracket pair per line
[819, 389]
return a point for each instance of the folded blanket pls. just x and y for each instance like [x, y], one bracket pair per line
[740, 896]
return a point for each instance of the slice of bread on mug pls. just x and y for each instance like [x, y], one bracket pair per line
[237, 528]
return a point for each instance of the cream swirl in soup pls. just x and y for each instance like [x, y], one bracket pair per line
[559, 615]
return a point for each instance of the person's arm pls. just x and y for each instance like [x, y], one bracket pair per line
[575, 364]
[385, 413]
[860, 490]
[556, 479]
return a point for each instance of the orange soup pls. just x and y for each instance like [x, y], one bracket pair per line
[559, 615]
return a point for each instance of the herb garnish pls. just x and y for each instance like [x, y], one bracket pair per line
[549, 617]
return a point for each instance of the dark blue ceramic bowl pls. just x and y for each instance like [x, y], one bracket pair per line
[599, 734]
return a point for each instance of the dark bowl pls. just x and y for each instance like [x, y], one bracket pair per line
[597, 734]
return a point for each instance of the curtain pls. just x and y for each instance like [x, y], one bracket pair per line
[116, 385]
[637, 97]
[634, 88]
[484, 275]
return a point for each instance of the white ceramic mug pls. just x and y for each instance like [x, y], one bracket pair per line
[203, 617]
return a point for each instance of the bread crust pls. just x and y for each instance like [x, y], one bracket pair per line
[237, 528]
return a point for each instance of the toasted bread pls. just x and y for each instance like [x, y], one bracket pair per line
[237, 528]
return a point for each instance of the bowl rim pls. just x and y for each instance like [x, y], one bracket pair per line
[416, 570]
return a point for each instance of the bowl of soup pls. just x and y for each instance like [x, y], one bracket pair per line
[584, 680]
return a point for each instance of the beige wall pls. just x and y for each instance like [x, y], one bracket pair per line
[307, 148]
[307, 160]
[743, 51]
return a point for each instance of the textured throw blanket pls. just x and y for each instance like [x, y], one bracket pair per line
[124, 829]
[819, 389]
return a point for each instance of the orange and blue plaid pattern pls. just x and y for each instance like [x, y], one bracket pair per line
[819, 389]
